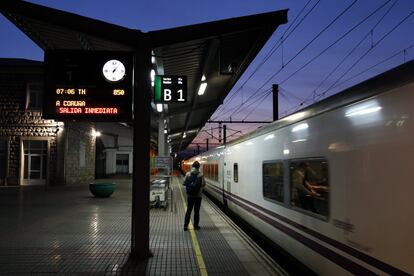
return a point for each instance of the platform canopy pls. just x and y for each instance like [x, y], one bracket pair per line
[220, 50]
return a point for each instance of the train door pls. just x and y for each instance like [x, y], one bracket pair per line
[227, 177]
[223, 181]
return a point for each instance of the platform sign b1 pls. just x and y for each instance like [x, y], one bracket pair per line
[170, 89]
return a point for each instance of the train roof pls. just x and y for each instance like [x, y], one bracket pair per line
[391, 79]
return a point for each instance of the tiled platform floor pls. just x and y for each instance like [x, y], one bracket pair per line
[66, 231]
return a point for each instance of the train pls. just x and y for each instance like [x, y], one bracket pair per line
[357, 149]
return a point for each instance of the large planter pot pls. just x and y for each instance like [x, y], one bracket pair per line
[102, 189]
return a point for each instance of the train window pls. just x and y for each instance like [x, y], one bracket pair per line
[205, 170]
[273, 180]
[235, 172]
[310, 186]
[216, 172]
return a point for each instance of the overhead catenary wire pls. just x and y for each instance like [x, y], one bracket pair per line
[265, 96]
[368, 51]
[309, 43]
[336, 41]
[292, 109]
[303, 48]
[285, 97]
[373, 66]
[252, 100]
[283, 38]
[341, 80]
[318, 96]
[353, 49]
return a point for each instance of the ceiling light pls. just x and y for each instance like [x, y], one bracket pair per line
[153, 57]
[202, 88]
[203, 78]
[96, 133]
[159, 107]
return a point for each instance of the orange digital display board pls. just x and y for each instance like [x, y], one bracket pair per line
[88, 85]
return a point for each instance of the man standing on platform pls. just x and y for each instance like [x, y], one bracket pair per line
[194, 182]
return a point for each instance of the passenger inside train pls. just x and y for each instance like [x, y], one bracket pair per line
[310, 187]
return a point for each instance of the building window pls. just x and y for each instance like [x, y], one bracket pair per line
[122, 163]
[273, 180]
[34, 93]
[236, 172]
[309, 185]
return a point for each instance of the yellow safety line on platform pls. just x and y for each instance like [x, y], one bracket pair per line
[196, 245]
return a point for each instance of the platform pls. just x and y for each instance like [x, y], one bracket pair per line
[66, 231]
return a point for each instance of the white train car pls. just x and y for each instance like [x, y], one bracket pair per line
[358, 146]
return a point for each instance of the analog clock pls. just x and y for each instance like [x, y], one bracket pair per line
[113, 70]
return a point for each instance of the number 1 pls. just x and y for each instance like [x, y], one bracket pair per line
[180, 98]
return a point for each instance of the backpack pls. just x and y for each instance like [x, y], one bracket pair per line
[193, 185]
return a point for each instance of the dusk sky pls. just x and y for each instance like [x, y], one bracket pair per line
[383, 29]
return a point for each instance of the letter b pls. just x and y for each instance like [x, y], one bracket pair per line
[167, 95]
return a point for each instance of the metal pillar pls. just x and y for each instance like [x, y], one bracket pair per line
[161, 136]
[224, 134]
[207, 144]
[219, 133]
[141, 165]
[275, 89]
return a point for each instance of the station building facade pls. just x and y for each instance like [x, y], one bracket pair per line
[114, 150]
[34, 150]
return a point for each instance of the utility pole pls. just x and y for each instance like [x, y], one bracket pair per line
[220, 132]
[275, 89]
[224, 134]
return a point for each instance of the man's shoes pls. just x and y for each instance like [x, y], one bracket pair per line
[197, 227]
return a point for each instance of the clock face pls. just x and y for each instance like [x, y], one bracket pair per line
[113, 70]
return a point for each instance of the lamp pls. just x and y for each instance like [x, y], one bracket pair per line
[159, 107]
[202, 88]
[96, 133]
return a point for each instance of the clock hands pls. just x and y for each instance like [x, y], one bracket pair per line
[113, 70]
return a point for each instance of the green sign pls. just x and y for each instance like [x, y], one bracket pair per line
[170, 89]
